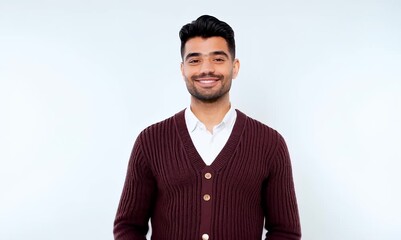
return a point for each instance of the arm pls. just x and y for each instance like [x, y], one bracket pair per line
[136, 202]
[279, 201]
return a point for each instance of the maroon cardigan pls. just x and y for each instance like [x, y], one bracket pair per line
[249, 181]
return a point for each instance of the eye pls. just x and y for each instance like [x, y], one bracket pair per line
[193, 61]
[219, 59]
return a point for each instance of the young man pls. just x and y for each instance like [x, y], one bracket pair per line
[209, 172]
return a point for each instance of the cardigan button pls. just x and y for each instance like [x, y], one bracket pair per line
[208, 175]
[206, 197]
[205, 237]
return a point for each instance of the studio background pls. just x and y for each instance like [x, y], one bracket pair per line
[80, 79]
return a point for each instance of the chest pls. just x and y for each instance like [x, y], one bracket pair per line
[240, 170]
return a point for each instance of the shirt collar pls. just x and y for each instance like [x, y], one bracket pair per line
[193, 122]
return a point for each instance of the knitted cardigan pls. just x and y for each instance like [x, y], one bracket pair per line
[249, 181]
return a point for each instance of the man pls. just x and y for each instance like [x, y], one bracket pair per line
[209, 172]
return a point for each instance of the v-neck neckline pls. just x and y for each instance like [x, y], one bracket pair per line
[224, 155]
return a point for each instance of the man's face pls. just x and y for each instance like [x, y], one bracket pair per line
[208, 68]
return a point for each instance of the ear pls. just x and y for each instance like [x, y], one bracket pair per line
[236, 65]
[182, 68]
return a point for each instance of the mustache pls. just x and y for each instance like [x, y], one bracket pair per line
[206, 75]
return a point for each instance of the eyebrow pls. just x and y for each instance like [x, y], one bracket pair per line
[196, 54]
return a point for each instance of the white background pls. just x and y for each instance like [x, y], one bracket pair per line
[80, 79]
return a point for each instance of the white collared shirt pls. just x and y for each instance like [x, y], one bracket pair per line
[206, 143]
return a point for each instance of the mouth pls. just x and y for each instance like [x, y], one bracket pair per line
[207, 82]
[207, 79]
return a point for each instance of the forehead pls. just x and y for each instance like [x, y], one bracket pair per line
[206, 46]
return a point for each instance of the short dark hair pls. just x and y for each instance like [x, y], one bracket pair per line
[207, 26]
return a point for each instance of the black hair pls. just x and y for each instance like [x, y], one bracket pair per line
[207, 26]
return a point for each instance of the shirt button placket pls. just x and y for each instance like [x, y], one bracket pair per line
[206, 205]
[205, 237]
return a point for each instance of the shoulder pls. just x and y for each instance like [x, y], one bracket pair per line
[162, 128]
[259, 127]
[261, 135]
[263, 141]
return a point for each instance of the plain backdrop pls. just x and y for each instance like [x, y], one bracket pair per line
[80, 79]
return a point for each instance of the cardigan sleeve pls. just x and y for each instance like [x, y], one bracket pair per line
[136, 202]
[279, 200]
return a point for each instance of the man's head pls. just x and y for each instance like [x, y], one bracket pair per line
[207, 26]
[208, 59]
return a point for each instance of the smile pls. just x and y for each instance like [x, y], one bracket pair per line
[207, 82]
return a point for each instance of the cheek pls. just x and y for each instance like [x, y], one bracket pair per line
[188, 72]
[185, 74]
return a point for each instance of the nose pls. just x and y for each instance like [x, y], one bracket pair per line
[207, 67]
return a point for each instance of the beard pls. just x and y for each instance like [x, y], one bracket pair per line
[206, 95]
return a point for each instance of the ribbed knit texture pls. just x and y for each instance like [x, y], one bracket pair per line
[251, 181]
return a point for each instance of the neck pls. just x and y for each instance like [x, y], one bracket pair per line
[210, 114]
